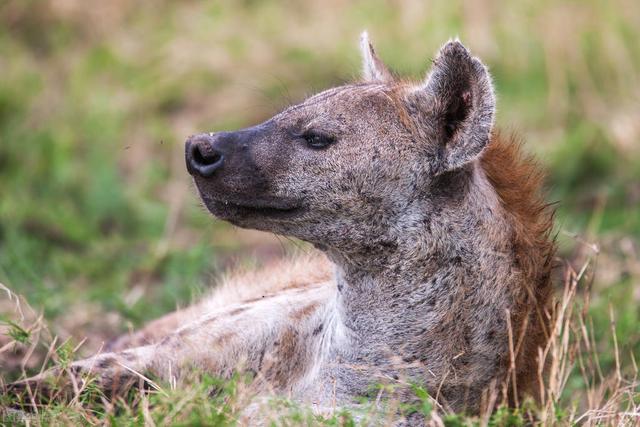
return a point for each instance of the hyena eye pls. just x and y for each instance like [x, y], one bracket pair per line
[318, 140]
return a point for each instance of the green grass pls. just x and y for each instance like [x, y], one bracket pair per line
[99, 226]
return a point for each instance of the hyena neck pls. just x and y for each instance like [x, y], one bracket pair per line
[451, 245]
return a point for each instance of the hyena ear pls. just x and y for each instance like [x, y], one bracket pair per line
[462, 99]
[373, 69]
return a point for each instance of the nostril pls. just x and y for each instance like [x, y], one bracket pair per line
[209, 157]
[202, 158]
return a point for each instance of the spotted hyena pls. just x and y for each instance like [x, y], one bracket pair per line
[434, 251]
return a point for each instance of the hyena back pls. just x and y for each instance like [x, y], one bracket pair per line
[436, 239]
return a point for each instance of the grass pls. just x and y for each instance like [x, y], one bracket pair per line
[100, 231]
[579, 388]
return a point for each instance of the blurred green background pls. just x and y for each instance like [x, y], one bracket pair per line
[100, 227]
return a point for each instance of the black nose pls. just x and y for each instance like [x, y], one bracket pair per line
[201, 156]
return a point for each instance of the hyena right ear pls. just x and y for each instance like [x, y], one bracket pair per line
[460, 101]
[373, 69]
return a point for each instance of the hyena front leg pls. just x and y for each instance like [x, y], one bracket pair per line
[277, 338]
[110, 373]
[155, 331]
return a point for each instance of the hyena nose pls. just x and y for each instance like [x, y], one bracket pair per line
[201, 156]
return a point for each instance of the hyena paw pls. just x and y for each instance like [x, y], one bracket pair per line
[105, 375]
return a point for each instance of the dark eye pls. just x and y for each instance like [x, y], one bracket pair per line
[318, 140]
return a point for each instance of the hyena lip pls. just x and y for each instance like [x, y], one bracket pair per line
[228, 209]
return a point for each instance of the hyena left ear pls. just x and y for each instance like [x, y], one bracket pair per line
[373, 69]
[462, 105]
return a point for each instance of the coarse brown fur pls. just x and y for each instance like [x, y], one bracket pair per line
[519, 182]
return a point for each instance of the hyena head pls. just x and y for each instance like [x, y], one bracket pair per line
[345, 168]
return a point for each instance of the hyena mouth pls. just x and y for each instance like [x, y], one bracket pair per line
[230, 209]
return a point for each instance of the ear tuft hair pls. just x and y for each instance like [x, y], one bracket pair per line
[373, 69]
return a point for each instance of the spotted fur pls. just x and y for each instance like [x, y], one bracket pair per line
[435, 233]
